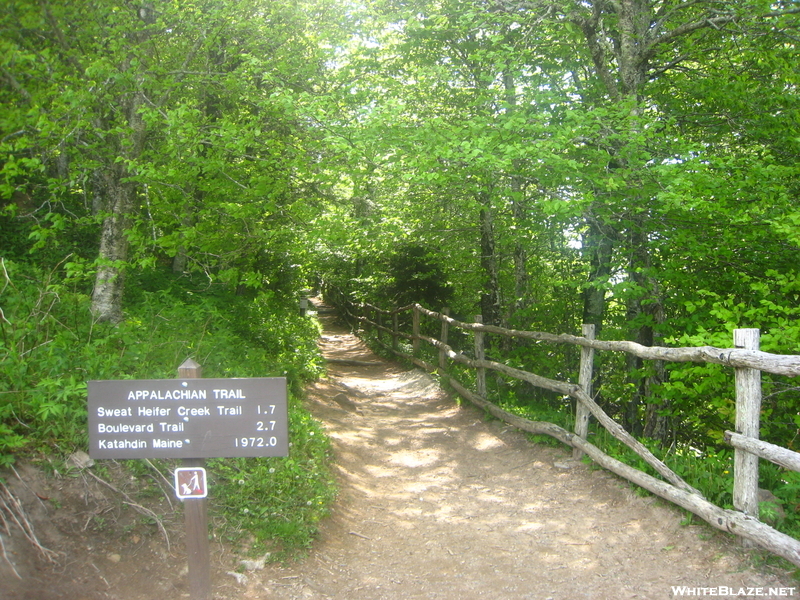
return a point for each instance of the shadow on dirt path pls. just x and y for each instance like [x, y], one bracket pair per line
[436, 502]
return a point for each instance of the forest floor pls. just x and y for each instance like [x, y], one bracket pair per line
[436, 502]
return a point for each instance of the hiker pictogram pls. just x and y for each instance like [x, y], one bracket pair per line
[190, 482]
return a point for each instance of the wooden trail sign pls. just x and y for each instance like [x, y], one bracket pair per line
[188, 418]
[193, 419]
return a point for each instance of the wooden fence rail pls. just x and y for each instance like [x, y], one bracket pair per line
[745, 357]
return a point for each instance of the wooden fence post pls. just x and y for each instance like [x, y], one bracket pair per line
[415, 329]
[379, 319]
[443, 339]
[748, 411]
[480, 376]
[195, 512]
[367, 313]
[585, 381]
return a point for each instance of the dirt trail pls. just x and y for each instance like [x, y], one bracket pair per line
[438, 503]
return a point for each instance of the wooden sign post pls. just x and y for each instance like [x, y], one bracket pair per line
[190, 418]
[195, 512]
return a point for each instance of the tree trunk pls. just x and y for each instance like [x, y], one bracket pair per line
[119, 196]
[181, 258]
[641, 334]
[110, 279]
[657, 424]
[645, 307]
[597, 248]
[490, 297]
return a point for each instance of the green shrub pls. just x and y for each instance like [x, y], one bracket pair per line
[276, 503]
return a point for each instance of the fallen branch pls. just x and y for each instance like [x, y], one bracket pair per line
[12, 512]
[3, 546]
[138, 507]
[164, 479]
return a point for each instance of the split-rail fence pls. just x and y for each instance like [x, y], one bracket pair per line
[745, 358]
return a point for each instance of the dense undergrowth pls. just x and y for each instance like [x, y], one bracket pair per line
[50, 347]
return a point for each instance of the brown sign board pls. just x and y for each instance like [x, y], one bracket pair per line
[188, 418]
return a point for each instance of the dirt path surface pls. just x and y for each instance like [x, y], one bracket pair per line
[438, 503]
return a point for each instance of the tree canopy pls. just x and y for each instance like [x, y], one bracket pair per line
[627, 163]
